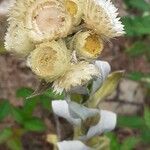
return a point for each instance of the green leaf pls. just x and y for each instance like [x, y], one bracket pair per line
[139, 4]
[4, 109]
[147, 116]
[129, 143]
[5, 134]
[108, 87]
[46, 102]
[35, 125]
[136, 76]
[136, 25]
[29, 106]
[24, 92]
[17, 115]
[114, 143]
[130, 121]
[14, 144]
[137, 49]
[145, 135]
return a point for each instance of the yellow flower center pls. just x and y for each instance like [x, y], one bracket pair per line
[45, 61]
[72, 7]
[93, 45]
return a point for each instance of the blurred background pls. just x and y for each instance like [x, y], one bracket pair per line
[24, 124]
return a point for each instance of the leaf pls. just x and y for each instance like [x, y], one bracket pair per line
[129, 143]
[14, 144]
[139, 4]
[114, 143]
[46, 102]
[4, 109]
[145, 135]
[108, 87]
[24, 92]
[131, 122]
[137, 25]
[5, 134]
[29, 106]
[147, 116]
[17, 115]
[136, 76]
[137, 49]
[35, 125]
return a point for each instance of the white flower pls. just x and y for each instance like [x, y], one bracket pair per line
[17, 40]
[72, 145]
[87, 44]
[102, 17]
[77, 75]
[48, 20]
[49, 60]
[66, 110]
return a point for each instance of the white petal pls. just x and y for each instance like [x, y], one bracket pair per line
[104, 69]
[61, 108]
[72, 145]
[107, 123]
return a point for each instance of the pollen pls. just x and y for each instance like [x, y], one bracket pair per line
[93, 45]
[72, 7]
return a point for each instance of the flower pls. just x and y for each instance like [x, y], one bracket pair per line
[49, 60]
[87, 44]
[74, 7]
[78, 74]
[48, 20]
[69, 111]
[17, 39]
[101, 17]
[72, 145]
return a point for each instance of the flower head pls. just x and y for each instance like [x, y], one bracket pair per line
[48, 20]
[78, 74]
[87, 44]
[101, 17]
[17, 40]
[49, 60]
[74, 7]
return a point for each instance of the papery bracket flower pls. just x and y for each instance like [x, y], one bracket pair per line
[77, 75]
[49, 60]
[87, 44]
[48, 20]
[102, 17]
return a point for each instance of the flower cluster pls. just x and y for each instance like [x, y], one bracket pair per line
[61, 40]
